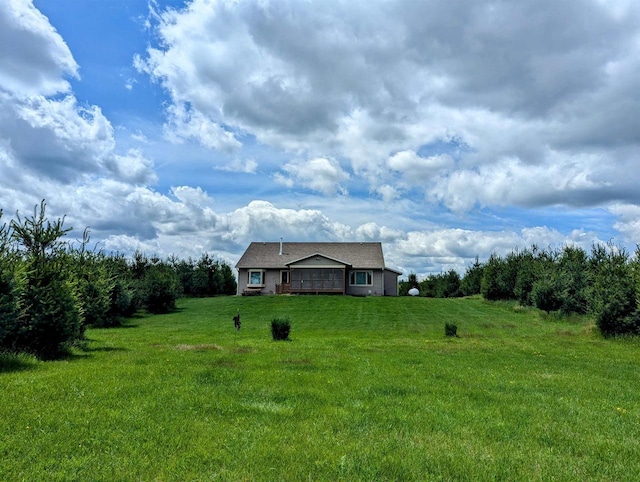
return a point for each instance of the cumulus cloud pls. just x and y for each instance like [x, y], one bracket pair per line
[474, 105]
[262, 221]
[449, 248]
[388, 193]
[47, 137]
[71, 139]
[372, 232]
[34, 57]
[418, 169]
[628, 221]
[321, 174]
[519, 84]
[185, 123]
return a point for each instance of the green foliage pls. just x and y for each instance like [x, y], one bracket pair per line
[206, 277]
[496, 284]
[53, 320]
[229, 284]
[50, 290]
[442, 285]
[613, 293]
[10, 281]
[280, 328]
[95, 284]
[605, 284]
[573, 267]
[50, 318]
[546, 294]
[450, 329]
[527, 273]
[122, 293]
[159, 288]
[472, 281]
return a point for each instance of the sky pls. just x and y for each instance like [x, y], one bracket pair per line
[447, 130]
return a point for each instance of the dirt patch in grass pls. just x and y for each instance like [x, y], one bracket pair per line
[565, 333]
[302, 361]
[243, 349]
[204, 346]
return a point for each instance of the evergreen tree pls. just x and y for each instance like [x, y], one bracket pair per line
[51, 320]
[472, 281]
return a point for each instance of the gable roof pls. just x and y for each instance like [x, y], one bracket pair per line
[266, 255]
[315, 255]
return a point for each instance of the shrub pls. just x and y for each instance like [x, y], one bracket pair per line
[472, 280]
[450, 329]
[497, 282]
[53, 321]
[546, 295]
[613, 295]
[280, 328]
[51, 312]
[159, 289]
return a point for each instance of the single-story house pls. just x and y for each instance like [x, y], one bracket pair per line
[315, 268]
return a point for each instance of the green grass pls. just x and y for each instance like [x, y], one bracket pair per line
[367, 389]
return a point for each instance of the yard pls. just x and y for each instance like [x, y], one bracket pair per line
[367, 389]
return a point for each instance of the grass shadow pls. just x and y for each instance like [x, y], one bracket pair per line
[10, 362]
[103, 349]
[125, 325]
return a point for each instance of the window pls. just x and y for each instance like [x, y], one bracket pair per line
[361, 278]
[256, 277]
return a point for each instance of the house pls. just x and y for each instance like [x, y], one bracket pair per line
[315, 268]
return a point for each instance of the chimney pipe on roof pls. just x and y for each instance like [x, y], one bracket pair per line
[280, 253]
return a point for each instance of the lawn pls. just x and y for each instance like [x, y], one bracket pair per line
[367, 389]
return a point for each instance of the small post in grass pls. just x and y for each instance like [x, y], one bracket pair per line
[237, 324]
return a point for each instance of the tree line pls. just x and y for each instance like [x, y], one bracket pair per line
[52, 289]
[604, 283]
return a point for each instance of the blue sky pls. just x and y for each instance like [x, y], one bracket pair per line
[446, 130]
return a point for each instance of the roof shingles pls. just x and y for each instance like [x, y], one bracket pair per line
[266, 255]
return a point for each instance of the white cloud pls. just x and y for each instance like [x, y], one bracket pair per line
[628, 222]
[133, 167]
[475, 105]
[71, 139]
[321, 174]
[190, 196]
[446, 248]
[33, 56]
[248, 166]
[262, 221]
[563, 181]
[372, 232]
[185, 123]
[388, 193]
[418, 169]
[372, 85]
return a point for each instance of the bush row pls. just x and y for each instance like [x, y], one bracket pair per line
[50, 290]
[604, 283]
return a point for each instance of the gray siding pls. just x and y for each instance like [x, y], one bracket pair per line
[390, 283]
[375, 289]
[271, 278]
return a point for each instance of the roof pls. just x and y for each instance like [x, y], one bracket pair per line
[266, 255]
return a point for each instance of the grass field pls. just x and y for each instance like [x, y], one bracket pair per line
[367, 389]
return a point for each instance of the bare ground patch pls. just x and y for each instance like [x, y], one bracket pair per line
[203, 346]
